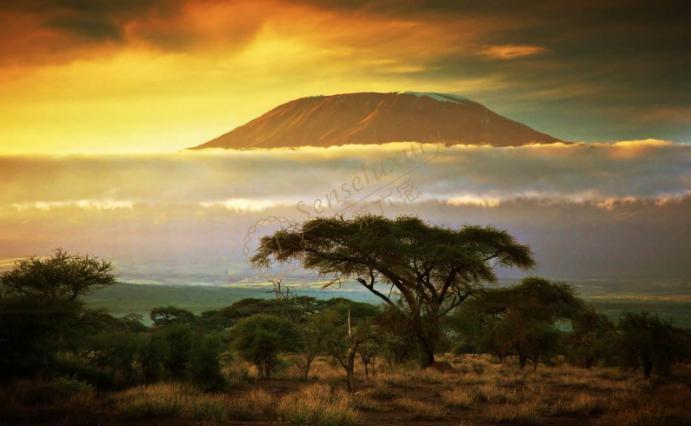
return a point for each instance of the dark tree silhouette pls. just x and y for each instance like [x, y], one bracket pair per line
[63, 276]
[649, 343]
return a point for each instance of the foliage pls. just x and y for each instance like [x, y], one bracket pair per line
[61, 277]
[168, 315]
[31, 333]
[178, 340]
[591, 338]
[205, 364]
[261, 338]
[519, 320]
[649, 343]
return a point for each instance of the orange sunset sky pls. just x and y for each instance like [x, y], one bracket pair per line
[98, 76]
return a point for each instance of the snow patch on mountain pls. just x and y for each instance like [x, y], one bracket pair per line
[441, 97]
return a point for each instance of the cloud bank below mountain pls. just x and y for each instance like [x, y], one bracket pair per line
[588, 210]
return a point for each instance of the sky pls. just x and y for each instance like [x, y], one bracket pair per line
[142, 76]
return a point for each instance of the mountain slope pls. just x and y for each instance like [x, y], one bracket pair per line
[374, 118]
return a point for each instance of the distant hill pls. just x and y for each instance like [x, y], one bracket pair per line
[375, 118]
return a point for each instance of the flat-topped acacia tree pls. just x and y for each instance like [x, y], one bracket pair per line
[434, 269]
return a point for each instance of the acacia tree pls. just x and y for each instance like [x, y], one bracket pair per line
[651, 343]
[518, 320]
[40, 308]
[62, 276]
[434, 269]
[592, 337]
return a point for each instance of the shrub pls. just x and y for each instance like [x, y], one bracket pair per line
[48, 393]
[205, 368]
[261, 338]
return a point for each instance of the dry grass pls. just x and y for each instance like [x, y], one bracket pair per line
[318, 405]
[420, 410]
[460, 397]
[524, 413]
[479, 390]
[497, 394]
[578, 404]
[173, 399]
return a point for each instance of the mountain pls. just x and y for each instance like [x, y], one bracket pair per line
[374, 118]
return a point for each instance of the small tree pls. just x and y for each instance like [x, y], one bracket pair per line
[60, 277]
[591, 338]
[153, 358]
[178, 340]
[261, 338]
[518, 320]
[314, 334]
[168, 315]
[346, 336]
[649, 343]
[368, 351]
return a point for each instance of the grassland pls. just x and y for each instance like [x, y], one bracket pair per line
[478, 390]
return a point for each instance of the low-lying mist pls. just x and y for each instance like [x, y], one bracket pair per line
[588, 210]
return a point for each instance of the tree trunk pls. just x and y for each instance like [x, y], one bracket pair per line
[647, 368]
[308, 364]
[522, 361]
[350, 371]
[589, 362]
[426, 354]
[427, 338]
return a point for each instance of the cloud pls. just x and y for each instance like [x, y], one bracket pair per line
[512, 51]
[253, 180]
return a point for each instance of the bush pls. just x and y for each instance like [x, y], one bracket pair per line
[205, 369]
[76, 368]
[260, 339]
[59, 390]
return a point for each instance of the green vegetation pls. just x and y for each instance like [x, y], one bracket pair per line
[261, 338]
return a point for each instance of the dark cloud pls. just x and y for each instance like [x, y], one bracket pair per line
[601, 70]
[608, 70]
[95, 20]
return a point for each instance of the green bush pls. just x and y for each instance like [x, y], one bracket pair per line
[205, 368]
[261, 338]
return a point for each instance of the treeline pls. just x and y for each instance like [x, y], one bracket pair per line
[46, 331]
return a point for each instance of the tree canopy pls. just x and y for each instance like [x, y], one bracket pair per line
[61, 276]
